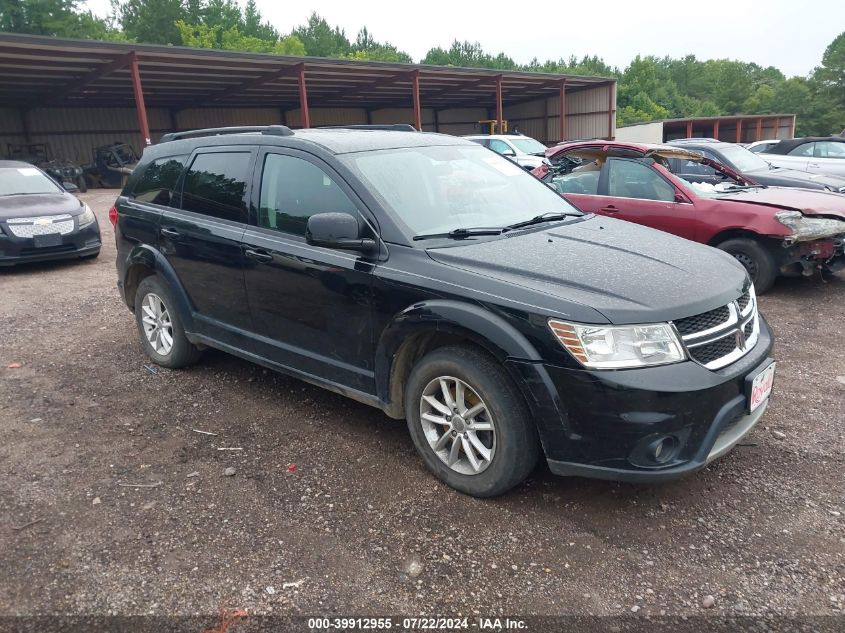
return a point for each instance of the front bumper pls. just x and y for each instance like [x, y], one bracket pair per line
[79, 243]
[598, 423]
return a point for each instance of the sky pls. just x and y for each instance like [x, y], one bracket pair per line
[788, 34]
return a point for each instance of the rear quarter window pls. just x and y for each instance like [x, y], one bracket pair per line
[157, 183]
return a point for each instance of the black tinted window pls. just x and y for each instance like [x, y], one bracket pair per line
[292, 190]
[159, 179]
[215, 185]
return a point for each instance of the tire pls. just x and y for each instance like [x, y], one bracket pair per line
[512, 438]
[756, 258]
[82, 184]
[180, 352]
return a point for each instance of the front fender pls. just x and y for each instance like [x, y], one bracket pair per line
[147, 257]
[471, 321]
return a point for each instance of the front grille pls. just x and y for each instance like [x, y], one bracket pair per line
[43, 225]
[721, 336]
[706, 354]
[704, 321]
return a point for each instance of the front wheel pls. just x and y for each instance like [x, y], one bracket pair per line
[160, 327]
[756, 258]
[469, 423]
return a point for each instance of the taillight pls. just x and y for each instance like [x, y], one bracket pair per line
[113, 216]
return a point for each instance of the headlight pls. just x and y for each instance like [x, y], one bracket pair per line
[807, 229]
[86, 218]
[619, 347]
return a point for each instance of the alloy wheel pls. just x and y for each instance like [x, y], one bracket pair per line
[158, 328]
[458, 425]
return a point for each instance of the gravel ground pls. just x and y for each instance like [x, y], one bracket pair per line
[329, 509]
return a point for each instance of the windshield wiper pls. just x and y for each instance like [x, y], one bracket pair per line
[461, 233]
[552, 216]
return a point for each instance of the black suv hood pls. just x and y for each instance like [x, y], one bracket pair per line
[33, 205]
[628, 273]
[782, 177]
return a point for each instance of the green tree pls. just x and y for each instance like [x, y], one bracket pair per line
[321, 40]
[57, 18]
[154, 21]
[366, 47]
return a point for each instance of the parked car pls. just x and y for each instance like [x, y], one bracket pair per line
[523, 150]
[752, 167]
[428, 277]
[759, 147]
[821, 154]
[59, 169]
[41, 221]
[771, 230]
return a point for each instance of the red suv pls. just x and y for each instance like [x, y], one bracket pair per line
[771, 230]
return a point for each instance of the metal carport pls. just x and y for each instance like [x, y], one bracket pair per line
[79, 93]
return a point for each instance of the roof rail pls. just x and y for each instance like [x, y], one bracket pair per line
[273, 130]
[392, 127]
[695, 139]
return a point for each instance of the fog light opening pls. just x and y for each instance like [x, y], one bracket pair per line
[663, 449]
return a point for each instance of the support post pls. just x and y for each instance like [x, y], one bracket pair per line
[436, 121]
[415, 83]
[499, 108]
[739, 130]
[561, 111]
[791, 127]
[25, 125]
[610, 89]
[716, 129]
[689, 129]
[138, 90]
[759, 133]
[305, 115]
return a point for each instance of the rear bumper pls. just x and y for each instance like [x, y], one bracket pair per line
[82, 243]
[605, 424]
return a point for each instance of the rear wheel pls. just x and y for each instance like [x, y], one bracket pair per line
[160, 327]
[469, 422]
[82, 184]
[756, 258]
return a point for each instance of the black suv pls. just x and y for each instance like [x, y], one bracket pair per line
[427, 276]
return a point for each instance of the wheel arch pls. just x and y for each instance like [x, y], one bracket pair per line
[429, 325]
[144, 261]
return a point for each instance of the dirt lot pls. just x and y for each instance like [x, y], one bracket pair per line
[762, 531]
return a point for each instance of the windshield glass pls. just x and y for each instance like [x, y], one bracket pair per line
[721, 190]
[528, 145]
[439, 189]
[743, 159]
[25, 180]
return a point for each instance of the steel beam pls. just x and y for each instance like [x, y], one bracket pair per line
[138, 91]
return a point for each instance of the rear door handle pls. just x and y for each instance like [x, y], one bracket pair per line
[170, 233]
[813, 165]
[610, 209]
[259, 256]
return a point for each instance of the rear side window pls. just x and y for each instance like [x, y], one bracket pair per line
[803, 150]
[293, 189]
[215, 185]
[158, 182]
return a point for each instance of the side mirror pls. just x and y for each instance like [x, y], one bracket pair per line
[508, 152]
[336, 230]
[681, 198]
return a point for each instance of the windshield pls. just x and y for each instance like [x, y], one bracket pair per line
[528, 145]
[25, 180]
[440, 189]
[721, 190]
[743, 159]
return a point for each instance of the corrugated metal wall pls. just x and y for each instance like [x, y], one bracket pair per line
[586, 116]
[72, 133]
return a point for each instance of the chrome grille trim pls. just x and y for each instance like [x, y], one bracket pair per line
[41, 225]
[739, 334]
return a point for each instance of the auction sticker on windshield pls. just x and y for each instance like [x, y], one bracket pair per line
[761, 387]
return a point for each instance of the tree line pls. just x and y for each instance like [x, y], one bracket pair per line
[649, 87]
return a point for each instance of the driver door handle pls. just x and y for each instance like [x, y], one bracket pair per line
[170, 233]
[610, 209]
[258, 255]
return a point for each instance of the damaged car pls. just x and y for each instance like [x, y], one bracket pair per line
[772, 231]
